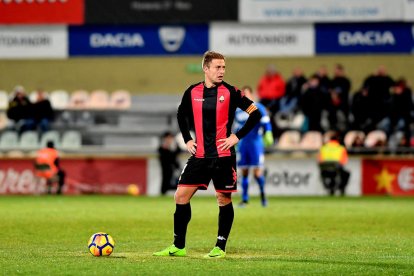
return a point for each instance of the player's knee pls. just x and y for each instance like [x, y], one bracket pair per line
[223, 198]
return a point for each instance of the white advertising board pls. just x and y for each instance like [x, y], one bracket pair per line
[285, 177]
[21, 42]
[260, 40]
[408, 10]
[320, 10]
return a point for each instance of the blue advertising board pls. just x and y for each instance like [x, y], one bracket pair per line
[138, 40]
[362, 38]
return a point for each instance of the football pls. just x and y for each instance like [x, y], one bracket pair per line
[101, 244]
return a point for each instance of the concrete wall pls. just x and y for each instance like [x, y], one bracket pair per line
[172, 75]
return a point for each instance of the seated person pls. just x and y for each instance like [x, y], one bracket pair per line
[332, 158]
[20, 111]
[47, 166]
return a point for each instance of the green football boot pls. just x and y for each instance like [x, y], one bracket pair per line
[216, 253]
[171, 251]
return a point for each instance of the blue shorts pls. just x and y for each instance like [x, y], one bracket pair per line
[250, 156]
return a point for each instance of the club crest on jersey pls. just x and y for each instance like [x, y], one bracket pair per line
[221, 99]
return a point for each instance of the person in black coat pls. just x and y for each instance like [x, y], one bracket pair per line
[168, 152]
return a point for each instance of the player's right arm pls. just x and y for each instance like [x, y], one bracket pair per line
[184, 117]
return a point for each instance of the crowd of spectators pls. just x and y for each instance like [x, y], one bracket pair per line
[381, 102]
[26, 115]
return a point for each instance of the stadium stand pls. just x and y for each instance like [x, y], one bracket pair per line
[29, 140]
[9, 140]
[289, 141]
[375, 138]
[352, 137]
[59, 99]
[51, 135]
[3, 120]
[120, 99]
[4, 100]
[99, 99]
[71, 140]
[311, 141]
[79, 99]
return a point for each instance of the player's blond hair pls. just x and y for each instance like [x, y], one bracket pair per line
[209, 56]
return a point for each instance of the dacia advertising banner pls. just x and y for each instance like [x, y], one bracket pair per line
[262, 39]
[320, 10]
[364, 38]
[159, 11]
[18, 42]
[138, 40]
[390, 176]
[42, 12]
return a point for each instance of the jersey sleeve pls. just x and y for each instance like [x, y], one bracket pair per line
[184, 115]
[265, 120]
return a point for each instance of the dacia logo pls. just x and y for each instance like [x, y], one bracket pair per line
[369, 38]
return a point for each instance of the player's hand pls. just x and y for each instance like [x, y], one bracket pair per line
[228, 142]
[191, 147]
[268, 139]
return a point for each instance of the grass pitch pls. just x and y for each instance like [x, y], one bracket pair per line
[47, 235]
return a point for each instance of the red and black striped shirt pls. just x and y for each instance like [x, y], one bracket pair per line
[210, 113]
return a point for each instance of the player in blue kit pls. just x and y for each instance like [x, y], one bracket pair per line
[251, 148]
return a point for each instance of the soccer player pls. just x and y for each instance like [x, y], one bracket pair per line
[209, 108]
[251, 148]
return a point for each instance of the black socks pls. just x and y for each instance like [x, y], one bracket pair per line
[182, 217]
[225, 221]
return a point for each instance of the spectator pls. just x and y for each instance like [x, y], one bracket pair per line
[271, 89]
[42, 111]
[168, 152]
[312, 102]
[401, 106]
[379, 85]
[361, 111]
[289, 102]
[47, 166]
[324, 80]
[338, 103]
[332, 158]
[20, 110]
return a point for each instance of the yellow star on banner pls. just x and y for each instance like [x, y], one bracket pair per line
[384, 180]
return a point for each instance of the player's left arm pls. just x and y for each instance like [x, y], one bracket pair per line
[248, 106]
[267, 127]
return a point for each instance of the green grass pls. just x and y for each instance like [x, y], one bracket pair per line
[47, 235]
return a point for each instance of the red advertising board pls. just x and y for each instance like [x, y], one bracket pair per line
[83, 176]
[389, 176]
[42, 12]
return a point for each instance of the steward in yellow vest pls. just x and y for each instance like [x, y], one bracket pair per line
[332, 158]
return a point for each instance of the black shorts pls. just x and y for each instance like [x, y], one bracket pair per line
[198, 172]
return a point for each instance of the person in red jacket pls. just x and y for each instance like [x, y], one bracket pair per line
[271, 89]
[47, 166]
